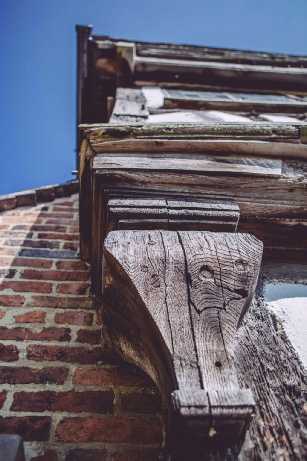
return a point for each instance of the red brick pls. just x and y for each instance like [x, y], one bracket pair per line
[60, 302]
[118, 429]
[74, 318]
[31, 262]
[48, 228]
[115, 376]
[33, 243]
[49, 455]
[27, 375]
[31, 317]
[56, 215]
[61, 207]
[26, 219]
[12, 300]
[73, 228]
[57, 221]
[20, 286]
[87, 454]
[8, 353]
[2, 314]
[89, 336]
[71, 401]
[26, 334]
[71, 265]
[29, 427]
[54, 275]
[71, 245]
[2, 398]
[82, 355]
[57, 236]
[68, 203]
[141, 402]
[5, 262]
[73, 288]
[7, 251]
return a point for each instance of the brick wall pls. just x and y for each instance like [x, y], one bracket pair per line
[59, 389]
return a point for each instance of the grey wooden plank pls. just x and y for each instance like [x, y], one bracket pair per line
[199, 164]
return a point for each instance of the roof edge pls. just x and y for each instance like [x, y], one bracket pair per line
[33, 197]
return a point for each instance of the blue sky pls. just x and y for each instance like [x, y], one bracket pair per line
[37, 90]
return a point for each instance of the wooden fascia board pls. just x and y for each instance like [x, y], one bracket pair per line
[199, 52]
[264, 139]
[259, 130]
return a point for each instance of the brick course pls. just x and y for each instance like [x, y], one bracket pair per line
[60, 389]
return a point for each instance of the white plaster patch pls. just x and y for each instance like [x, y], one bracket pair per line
[292, 312]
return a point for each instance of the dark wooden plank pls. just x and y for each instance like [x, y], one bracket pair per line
[203, 53]
[85, 200]
[142, 213]
[232, 74]
[233, 101]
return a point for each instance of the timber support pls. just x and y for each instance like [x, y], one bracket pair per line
[177, 299]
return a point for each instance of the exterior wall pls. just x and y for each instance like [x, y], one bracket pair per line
[59, 389]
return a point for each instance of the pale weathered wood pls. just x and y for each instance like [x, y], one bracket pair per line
[129, 107]
[189, 164]
[218, 146]
[266, 362]
[183, 294]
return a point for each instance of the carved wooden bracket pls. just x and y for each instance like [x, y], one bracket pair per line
[177, 299]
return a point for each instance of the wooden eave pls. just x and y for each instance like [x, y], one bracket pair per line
[267, 139]
[206, 53]
[244, 70]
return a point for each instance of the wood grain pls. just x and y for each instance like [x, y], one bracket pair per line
[192, 290]
[146, 213]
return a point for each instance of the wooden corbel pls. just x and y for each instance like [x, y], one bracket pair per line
[172, 304]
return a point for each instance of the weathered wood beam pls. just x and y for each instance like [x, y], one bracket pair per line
[113, 209]
[237, 102]
[232, 74]
[189, 164]
[146, 213]
[206, 53]
[177, 299]
[130, 106]
[260, 130]
[202, 53]
[217, 146]
[263, 184]
[283, 140]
